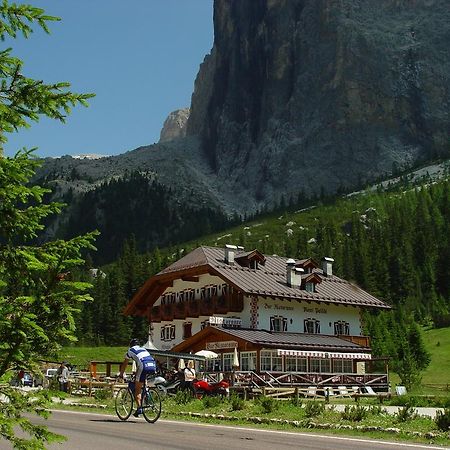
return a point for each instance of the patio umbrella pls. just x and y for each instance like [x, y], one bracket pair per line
[235, 358]
[208, 354]
[181, 364]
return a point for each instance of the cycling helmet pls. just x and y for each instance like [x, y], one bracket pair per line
[134, 342]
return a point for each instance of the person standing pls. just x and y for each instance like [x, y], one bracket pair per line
[63, 377]
[189, 376]
[145, 365]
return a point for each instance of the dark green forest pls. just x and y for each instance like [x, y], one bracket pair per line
[156, 215]
[394, 244]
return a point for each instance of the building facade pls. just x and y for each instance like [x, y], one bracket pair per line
[262, 313]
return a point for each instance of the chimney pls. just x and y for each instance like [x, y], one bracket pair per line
[293, 274]
[327, 266]
[230, 251]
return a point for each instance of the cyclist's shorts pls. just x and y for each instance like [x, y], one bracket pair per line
[148, 368]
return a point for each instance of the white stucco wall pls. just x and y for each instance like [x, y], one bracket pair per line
[294, 311]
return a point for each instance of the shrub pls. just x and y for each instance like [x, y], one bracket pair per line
[313, 408]
[296, 401]
[406, 413]
[211, 402]
[375, 410]
[268, 404]
[443, 419]
[183, 397]
[354, 413]
[102, 394]
[237, 403]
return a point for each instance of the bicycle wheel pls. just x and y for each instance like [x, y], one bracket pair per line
[151, 404]
[124, 403]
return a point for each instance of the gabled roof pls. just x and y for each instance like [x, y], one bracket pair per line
[270, 339]
[269, 280]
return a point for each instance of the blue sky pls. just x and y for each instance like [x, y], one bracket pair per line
[140, 58]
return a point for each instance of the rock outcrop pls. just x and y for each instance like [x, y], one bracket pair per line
[175, 125]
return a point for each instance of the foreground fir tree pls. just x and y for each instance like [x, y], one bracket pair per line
[38, 298]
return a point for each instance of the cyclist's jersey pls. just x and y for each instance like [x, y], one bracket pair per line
[144, 361]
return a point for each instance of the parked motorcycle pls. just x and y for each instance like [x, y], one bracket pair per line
[166, 387]
[203, 388]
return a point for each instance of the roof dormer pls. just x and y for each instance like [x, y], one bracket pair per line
[252, 259]
[308, 265]
[310, 281]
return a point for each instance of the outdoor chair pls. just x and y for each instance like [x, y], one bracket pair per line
[370, 391]
[355, 390]
[311, 392]
[343, 391]
[400, 390]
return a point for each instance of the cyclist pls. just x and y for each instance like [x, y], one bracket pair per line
[145, 365]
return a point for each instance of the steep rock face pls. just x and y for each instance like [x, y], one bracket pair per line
[175, 125]
[321, 94]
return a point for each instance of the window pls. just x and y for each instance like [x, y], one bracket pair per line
[325, 365]
[204, 324]
[253, 264]
[343, 365]
[278, 323]
[213, 364]
[314, 365]
[342, 327]
[347, 365]
[295, 364]
[227, 362]
[187, 330]
[168, 332]
[270, 361]
[248, 360]
[310, 287]
[311, 326]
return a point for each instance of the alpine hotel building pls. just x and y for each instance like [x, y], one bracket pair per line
[287, 321]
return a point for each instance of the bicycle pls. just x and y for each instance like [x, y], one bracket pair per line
[150, 402]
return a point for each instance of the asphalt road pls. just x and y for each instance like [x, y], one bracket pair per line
[88, 431]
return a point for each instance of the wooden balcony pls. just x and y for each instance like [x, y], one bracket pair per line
[156, 314]
[236, 302]
[193, 308]
[167, 312]
[363, 341]
[180, 310]
[207, 307]
[222, 304]
[231, 302]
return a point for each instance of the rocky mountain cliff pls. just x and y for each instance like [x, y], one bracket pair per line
[296, 96]
[321, 94]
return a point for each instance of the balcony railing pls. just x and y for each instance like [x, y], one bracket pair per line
[221, 304]
[378, 381]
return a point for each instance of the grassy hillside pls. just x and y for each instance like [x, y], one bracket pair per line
[81, 356]
[437, 342]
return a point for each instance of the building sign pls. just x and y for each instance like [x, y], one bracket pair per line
[315, 310]
[230, 321]
[278, 307]
[220, 345]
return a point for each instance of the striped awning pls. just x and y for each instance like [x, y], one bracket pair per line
[316, 354]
